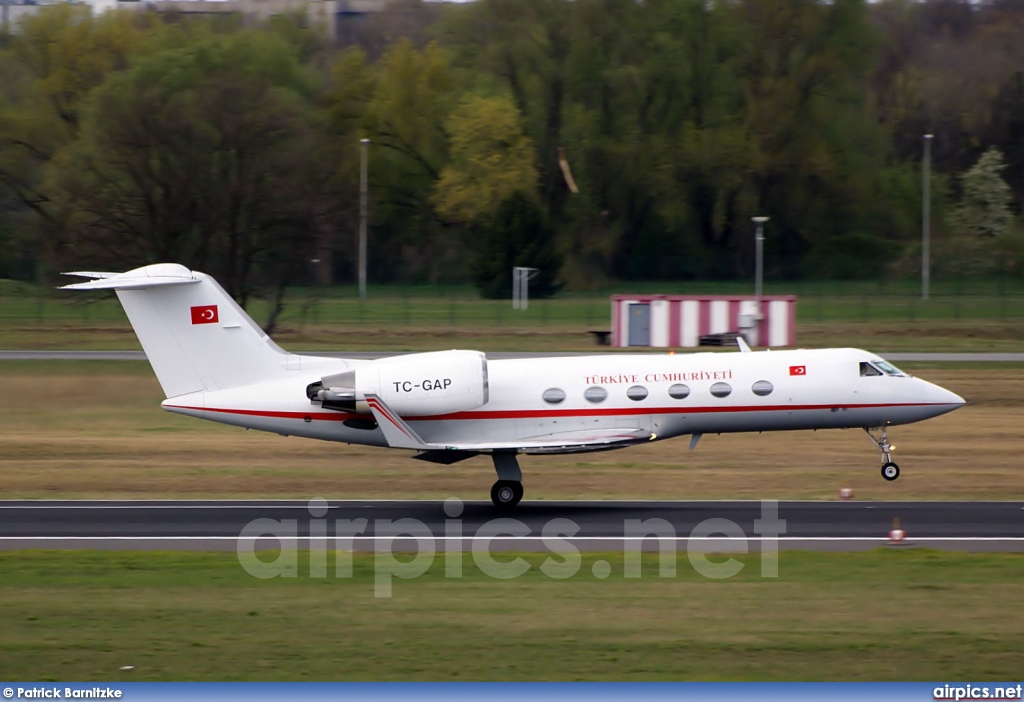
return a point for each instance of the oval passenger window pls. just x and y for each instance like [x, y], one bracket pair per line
[679, 392]
[553, 395]
[762, 388]
[637, 393]
[721, 389]
[595, 394]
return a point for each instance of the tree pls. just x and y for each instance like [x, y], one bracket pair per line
[1007, 131]
[984, 209]
[47, 71]
[517, 235]
[982, 238]
[805, 79]
[524, 45]
[491, 160]
[413, 93]
[207, 155]
[639, 76]
[411, 99]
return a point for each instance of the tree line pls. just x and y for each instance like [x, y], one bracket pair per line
[595, 140]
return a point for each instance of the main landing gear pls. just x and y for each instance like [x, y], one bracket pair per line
[890, 471]
[508, 491]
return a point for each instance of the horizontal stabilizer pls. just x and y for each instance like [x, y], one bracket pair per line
[91, 274]
[146, 277]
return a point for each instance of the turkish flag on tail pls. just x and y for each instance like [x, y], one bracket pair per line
[206, 314]
[798, 370]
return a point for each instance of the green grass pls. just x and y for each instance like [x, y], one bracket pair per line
[899, 614]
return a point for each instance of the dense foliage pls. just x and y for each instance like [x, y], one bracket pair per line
[593, 139]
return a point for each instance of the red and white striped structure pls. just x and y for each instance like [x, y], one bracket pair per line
[680, 320]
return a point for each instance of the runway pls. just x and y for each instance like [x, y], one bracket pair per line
[597, 525]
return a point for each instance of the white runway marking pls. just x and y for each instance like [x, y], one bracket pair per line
[406, 537]
[255, 505]
[304, 503]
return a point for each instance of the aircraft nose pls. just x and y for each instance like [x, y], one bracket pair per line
[952, 398]
[945, 399]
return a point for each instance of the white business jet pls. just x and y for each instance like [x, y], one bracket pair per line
[213, 362]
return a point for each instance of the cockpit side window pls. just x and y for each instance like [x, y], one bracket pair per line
[866, 369]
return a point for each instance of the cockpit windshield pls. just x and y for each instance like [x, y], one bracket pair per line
[889, 368]
[879, 367]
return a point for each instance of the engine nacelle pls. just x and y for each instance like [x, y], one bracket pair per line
[415, 385]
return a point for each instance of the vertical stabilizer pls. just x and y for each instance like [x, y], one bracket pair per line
[194, 334]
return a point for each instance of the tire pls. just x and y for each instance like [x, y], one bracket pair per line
[505, 494]
[890, 471]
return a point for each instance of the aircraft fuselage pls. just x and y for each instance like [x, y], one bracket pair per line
[675, 394]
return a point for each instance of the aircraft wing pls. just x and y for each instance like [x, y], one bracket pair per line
[569, 441]
[400, 435]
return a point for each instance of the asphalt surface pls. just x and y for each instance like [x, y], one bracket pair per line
[594, 525]
[898, 357]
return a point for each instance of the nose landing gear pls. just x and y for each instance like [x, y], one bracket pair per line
[890, 471]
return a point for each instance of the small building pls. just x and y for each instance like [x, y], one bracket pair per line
[12, 13]
[681, 320]
[337, 18]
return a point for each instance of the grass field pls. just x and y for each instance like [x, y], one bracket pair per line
[899, 614]
[95, 430]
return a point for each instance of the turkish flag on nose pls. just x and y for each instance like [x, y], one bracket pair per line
[206, 314]
[798, 370]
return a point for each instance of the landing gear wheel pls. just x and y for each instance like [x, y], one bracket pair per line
[506, 494]
[890, 471]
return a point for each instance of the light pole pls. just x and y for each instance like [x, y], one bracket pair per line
[926, 217]
[364, 143]
[759, 269]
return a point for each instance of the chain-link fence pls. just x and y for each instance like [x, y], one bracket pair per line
[394, 307]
